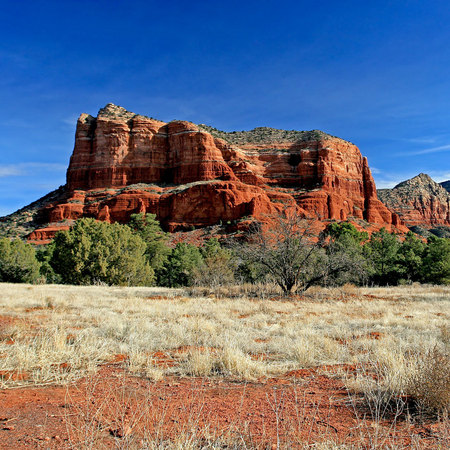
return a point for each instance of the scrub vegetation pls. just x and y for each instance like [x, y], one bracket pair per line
[285, 253]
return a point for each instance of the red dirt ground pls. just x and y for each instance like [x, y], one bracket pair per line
[116, 409]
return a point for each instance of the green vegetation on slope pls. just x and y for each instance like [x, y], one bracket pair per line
[94, 252]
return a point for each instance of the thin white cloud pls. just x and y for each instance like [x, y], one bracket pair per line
[10, 171]
[70, 121]
[441, 177]
[441, 148]
[420, 140]
[23, 169]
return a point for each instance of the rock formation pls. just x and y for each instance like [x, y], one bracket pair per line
[195, 176]
[419, 201]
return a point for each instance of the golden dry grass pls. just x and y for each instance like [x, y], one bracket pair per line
[56, 334]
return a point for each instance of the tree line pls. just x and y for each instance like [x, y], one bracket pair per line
[286, 252]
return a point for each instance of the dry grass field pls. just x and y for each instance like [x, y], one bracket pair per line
[383, 350]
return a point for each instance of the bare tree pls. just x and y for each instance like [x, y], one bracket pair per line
[294, 256]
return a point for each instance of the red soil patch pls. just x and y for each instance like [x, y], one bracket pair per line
[39, 308]
[119, 358]
[376, 335]
[13, 375]
[63, 367]
[6, 321]
[244, 316]
[304, 406]
[163, 359]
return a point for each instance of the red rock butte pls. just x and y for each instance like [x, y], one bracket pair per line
[196, 176]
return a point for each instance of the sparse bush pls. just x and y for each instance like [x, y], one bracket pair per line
[229, 361]
[217, 267]
[292, 256]
[430, 383]
[391, 380]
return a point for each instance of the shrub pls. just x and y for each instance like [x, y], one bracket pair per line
[18, 263]
[292, 256]
[149, 229]
[92, 252]
[44, 255]
[382, 251]
[410, 256]
[217, 267]
[430, 384]
[181, 266]
[436, 261]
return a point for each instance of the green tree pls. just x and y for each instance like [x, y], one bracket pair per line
[93, 251]
[382, 251]
[44, 255]
[181, 265]
[18, 263]
[345, 250]
[249, 271]
[149, 229]
[436, 261]
[339, 230]
[409, 257]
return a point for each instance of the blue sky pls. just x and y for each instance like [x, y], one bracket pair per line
[376, 73]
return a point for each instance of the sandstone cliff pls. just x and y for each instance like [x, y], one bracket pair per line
[195, 176]
[419, 201]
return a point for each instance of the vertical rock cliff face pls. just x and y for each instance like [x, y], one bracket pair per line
[119, 148]
[419, 201]
[194, 175]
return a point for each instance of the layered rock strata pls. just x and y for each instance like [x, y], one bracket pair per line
[419, 201]
[194, 176]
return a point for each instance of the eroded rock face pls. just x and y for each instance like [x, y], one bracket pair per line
[194, 175]
[419, 201]
[446, 185]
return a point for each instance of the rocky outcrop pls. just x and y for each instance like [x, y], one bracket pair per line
[194, 176]
[419, 201]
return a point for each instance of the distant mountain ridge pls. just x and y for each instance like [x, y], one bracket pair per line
[419, 201]
[446, 185]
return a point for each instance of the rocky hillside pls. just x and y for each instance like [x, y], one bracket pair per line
[22, 222]
[419, 201]
[194, 176]
[446, 185]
